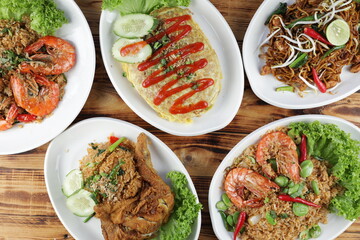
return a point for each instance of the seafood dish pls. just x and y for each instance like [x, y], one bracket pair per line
[32, 67]
[288, 182]
[116, 183]
[172, 66]
[310, 42]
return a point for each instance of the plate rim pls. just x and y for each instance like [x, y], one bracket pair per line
[151, 136]
[174, 130]
[228, 158]
[251, 80]
[21, 149]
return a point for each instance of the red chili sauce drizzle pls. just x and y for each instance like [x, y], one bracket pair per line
[160, 74]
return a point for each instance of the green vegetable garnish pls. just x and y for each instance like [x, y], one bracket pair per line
[306, 168]
[280, 10]
[300, 209]
[270, 217]
[115, 144]
[44, 15]
[328, 52]
[285, 88]
[226, 200]
[282, 181]
[141, 6]
[220, 205]
[315, 187]
[299, 61]
[328, 142]
[315, 231]
[185, 212]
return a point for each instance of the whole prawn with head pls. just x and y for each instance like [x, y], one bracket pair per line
[239, 178]
[280, 146]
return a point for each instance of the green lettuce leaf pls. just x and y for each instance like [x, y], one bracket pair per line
[185, 212]
[141, 6]
[328, 142]
[44, 15]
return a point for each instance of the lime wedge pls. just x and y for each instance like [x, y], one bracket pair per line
[338, 32]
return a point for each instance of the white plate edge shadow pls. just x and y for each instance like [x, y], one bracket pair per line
[33, 128]
[115, 122]
[249, 52]
[178, 129]
[254, 137]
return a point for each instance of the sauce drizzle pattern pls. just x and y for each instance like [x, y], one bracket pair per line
[159, 75]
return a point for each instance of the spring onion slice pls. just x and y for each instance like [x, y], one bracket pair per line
[115, 144]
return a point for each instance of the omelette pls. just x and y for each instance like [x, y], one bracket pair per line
[181, 79]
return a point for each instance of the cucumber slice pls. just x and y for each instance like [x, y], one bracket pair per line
[81, 203]
[140, 56]
[338, 32]
[134, 25]
[72, 182]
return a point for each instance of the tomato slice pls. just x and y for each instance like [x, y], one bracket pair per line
[113, 139]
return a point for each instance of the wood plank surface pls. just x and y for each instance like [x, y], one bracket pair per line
[25, 208]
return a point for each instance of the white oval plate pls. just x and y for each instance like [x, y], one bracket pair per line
[222, 40]
[264, 86]
[65, 151]
[336, 224]
[80, 79]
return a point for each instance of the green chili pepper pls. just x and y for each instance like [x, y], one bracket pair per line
[299, 61]
[315, 187]
[306, 168]
[300, 209]
[280, 10]
[115, 144]
[88, 218]
[285, 88]
[308, 18]
[328, 52]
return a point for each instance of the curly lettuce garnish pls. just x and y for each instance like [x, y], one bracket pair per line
[141, 6]
[44, 15]
[185, 212]
[328, 142]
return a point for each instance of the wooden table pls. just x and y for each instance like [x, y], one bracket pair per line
[25, 208]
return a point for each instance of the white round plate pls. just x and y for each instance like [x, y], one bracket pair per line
[264, 85]
[336, 224]
[80, 79]
[222, 40]
[65, 151]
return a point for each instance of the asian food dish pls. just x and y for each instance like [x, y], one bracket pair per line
[287, 183]
[117, 183]
[310, 42]
[31, 65]
[169, 61]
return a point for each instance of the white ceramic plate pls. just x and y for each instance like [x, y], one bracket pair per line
[264, 86]
[336, 225]
[80, 78]
[222, 40]
[65, 151]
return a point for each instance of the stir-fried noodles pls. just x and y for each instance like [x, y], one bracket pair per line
[299, 54]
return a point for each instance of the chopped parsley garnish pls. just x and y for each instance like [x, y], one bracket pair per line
[124, 74]
[93, 146]
[115, 171]
[11, 58]
[195, 86]
[163, 62]
[157, 45]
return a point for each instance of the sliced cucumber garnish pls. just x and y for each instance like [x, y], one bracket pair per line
[142, 52]
[134, 25]
[338, 32]
[73, 182]
[81, 203]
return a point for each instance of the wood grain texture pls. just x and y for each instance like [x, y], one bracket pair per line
[25, 208]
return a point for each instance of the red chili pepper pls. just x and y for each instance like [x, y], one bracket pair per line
[321, 86]
[287, 198]
[314, 34]
[26, 117]
[303, 150]
[239, 224]
[113, 139]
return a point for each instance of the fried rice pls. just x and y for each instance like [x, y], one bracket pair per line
[288, 225]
